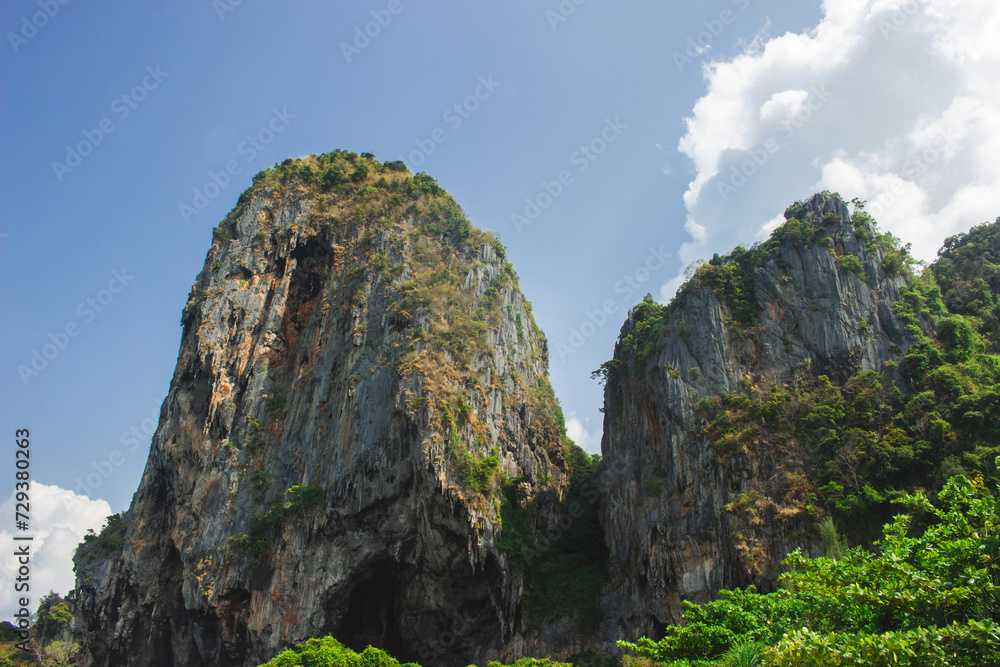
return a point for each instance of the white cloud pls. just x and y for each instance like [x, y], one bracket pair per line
[59, 519]
[893, 101]
[787, 103]
[576, 429]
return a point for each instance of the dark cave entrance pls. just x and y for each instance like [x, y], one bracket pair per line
[372, 614]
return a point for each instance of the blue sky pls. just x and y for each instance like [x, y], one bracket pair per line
[117, 116]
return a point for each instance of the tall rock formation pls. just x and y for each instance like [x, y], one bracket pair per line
[683, 516]
[358, 374]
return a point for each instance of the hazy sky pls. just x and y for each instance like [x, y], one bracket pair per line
[684, 128]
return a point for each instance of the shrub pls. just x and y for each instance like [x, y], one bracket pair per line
[929, 596]
[360, 173]
[851, 264]
[109, 540]
[333, 177]
[327, 651]
[531, 662]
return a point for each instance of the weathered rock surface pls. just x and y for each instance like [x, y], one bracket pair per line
[306, 478]
[664, 515]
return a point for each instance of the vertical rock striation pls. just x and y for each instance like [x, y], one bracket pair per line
[357, 372]
[820, 303]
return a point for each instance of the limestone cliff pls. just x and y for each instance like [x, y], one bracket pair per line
[358, 373]
[683, 517]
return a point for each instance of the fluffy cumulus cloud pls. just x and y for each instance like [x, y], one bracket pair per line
[58, 521]
[893, 101]
[577, 430]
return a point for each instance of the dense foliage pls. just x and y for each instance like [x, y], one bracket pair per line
[867, 442]
[875, 438]
[328, 652]
[385, 190]
[968, 271]
[44, 646]
[929, 596]
[564, 564]
[110, 539]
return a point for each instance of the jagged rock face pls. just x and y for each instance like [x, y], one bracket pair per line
[665, 516]
[306, 476]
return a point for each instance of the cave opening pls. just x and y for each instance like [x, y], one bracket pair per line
[372, 614]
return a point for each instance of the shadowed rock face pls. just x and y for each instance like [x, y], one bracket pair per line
[665, 516]
[303, 477]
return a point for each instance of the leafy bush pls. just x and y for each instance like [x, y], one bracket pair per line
[53, 616]
[333, 177]
[968, 271]
[110, 539]
[929, 596]
[650, 321]
[531, 662]
[851, 264]
[328, 652]
[360, 173]
[424, 183]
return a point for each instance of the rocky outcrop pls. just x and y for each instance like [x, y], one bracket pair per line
[357, 371]
[819, 309]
